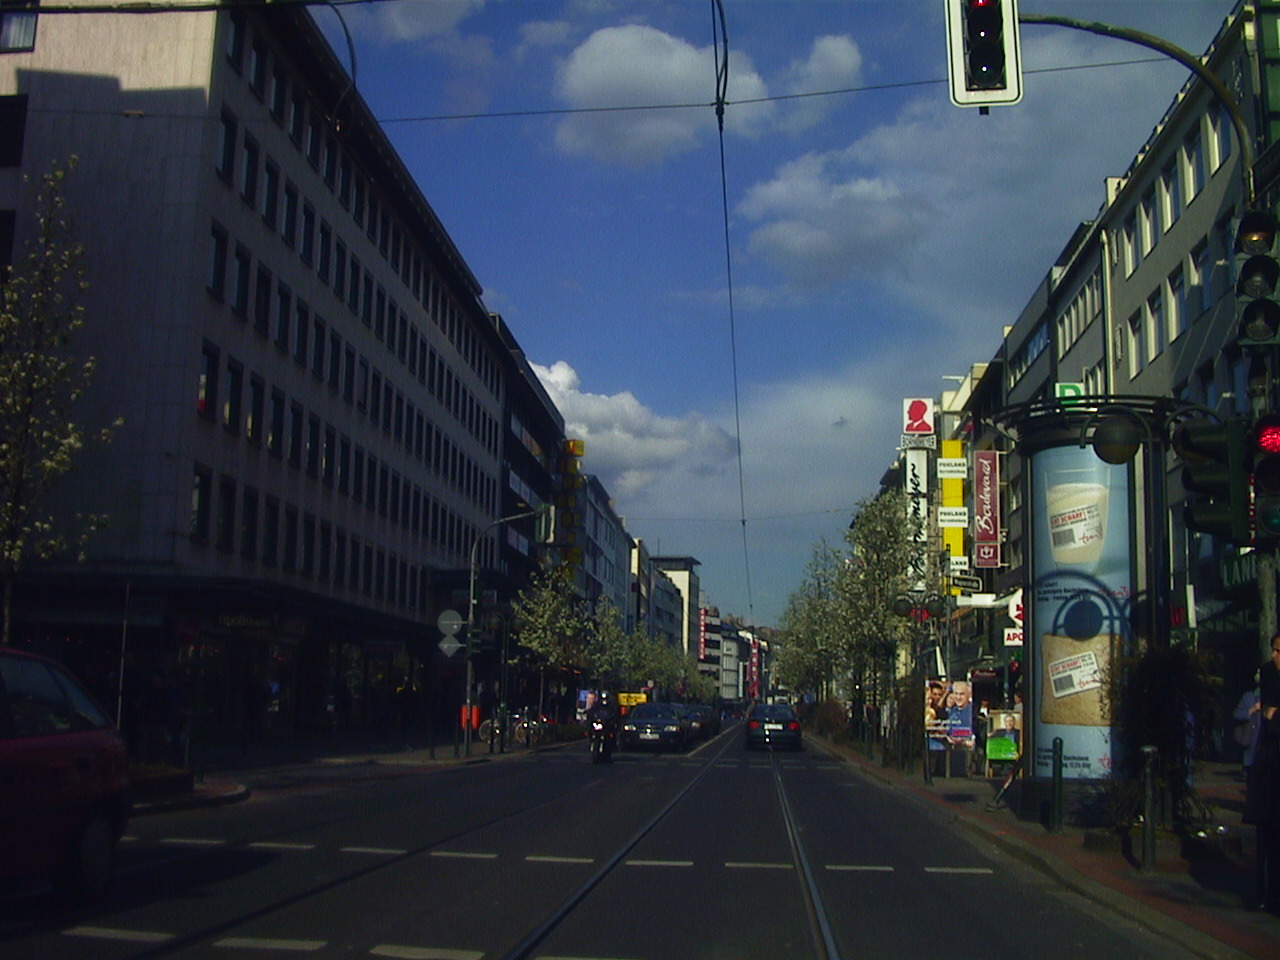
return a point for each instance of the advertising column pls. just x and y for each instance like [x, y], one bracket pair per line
[1080, 597]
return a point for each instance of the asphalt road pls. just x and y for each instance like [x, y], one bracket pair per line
[715, 853]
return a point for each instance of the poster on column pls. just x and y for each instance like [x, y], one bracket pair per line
[1080, 604]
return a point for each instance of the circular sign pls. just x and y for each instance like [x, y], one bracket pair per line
[449, 622]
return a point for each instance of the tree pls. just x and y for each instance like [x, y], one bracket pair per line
[41, 382]
[553, 623]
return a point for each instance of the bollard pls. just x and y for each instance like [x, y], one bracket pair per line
[1055, 802]
[1149, 754]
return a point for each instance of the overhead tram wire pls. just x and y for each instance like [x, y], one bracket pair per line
[720, 36]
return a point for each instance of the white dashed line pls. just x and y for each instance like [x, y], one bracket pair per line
[659, 863]
[193, 842]
[464, 855]
[735, 865]
[859, 867]
[110, 933]
[274, 845]
[972, 871]
[424, 953]
[535, 858]
[382, 851]
[270, 943]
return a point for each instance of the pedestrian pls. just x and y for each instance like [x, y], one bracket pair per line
[1262, 790]
[1248, 717]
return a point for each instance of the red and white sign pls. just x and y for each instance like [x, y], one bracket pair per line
[917, 416]
[986, 509]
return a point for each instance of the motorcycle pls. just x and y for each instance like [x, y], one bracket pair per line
[603, 738]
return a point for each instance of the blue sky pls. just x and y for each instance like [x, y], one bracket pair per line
[880, 238]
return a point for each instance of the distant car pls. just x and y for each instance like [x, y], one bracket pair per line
[706, 721]
[656, 725]
[64, 792]
[773, 725]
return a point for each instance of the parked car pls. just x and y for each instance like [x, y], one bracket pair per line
[706, 721]
[656, 725]
[64, 793]
[773, 725]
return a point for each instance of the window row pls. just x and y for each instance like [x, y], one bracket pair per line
[232, 517]
[255, 294]
[1169, 310]
[1181, 179]
[243, 403]
[310, 131]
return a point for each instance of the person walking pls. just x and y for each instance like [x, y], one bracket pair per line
[1262, 789]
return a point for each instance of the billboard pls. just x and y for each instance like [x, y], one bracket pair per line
[1080, 598]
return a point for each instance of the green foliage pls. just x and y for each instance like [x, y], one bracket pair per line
[41, 382]
[839, 623]
[567, 634]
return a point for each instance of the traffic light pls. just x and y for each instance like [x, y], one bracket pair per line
[983, 59]
[1266, 478]
[1257, 280]
[1215, 455]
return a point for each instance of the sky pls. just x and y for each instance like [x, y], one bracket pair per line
[730, 321]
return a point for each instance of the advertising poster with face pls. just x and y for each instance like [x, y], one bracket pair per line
[1080, 604]
[948, 714]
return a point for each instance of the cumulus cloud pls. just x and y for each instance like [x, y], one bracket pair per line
[629, 446]
[410, 20]
[834, 63]
[638, 65]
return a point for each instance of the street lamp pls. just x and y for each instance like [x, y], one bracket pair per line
[471, 612]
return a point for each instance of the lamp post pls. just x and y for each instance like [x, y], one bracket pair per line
[471, 613]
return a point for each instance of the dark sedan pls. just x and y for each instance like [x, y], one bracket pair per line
[773, 725]
[656, 725]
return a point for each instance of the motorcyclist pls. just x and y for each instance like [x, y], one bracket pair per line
[600, 710]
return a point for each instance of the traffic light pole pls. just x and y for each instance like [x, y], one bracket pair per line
[1188, 60]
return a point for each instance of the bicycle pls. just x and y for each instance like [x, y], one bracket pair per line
[522, 728]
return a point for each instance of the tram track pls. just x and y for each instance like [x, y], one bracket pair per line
[576, 903]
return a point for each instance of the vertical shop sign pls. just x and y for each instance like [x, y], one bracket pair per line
[986, 509]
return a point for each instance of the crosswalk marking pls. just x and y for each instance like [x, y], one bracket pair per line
[111, 933]
[269, 943]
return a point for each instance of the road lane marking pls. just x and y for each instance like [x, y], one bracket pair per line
[537, 858]
[973, 871]
[193, 842]
[384, 851]
[659, 863]
[747, 865]
[860, 867]
[424, 953]
[111, 933]
[270, 943]
[276, 845]
[464, 855]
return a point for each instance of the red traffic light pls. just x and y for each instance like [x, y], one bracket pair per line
[1266, 434]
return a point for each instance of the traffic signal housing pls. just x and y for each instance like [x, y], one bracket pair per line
[1216, 466]
[983, 58]
[1266, 478]
[1257, 263]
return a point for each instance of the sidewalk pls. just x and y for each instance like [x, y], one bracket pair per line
[1199, 893]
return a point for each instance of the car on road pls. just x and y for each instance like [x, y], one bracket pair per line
[773, 725]
[64, 791]
[660, 725]
[705, 720]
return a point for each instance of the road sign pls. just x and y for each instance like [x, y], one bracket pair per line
[449, 622]
[449, 646]
[962, 582]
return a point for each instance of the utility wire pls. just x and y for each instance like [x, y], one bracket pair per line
[720, 37]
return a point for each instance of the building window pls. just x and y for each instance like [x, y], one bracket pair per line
[1157, 333]
[227, 148]
[270, 531]
[289, 554]
[289, 223]
[297, 440]
[254, 423]
[218, 242]
[1200, 296]
[234, 45]
[1178, 309]
[258, 63]
[249, 524]
[207, 387]
[240, 282]
[13, 128]
[263, 295]
[201, 506]
[270, 193]
[232, 408]
[275, 429]
[318, 343]
[1193, 160]
[1223, 135]
[17, 31]
[226, 532]
[249, 185]
[302, 333]
[1171, 194]
[306, 248]
[313, 446]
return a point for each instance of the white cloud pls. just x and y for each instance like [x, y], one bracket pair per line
[834, 63]
[631, 448]
[409, 20]
[637, 65]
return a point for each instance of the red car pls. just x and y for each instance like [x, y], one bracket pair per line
[64, 790]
